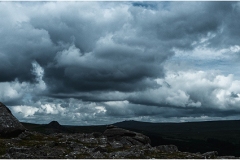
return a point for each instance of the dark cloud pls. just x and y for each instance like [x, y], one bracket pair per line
[234, 95]
[123, 69]
[115, 53]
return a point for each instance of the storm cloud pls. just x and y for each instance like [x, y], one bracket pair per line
[99, 62]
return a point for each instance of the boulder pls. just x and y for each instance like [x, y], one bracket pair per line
[9, 125]
[114, 132]
[97, 134]
[210, 155]
[126, 137]
[111, 126]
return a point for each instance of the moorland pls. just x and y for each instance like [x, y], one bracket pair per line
[220, 136]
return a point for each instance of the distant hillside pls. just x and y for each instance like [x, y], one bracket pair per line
[182, 127]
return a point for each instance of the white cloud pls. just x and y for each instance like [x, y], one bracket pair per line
[235, 48]
[118, 104]
[194, 104]
[38, 71]
[72, 111]
[51, 108]
[68, 57]
[24, 111]
[21, 91]
[101, 109]
[199, 88]
[201, 53]
[10, 91]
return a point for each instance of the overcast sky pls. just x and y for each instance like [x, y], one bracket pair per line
[90, 63]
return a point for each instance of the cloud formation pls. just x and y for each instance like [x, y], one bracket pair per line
[98, 62]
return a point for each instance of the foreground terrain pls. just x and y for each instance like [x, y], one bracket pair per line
[113, 143]
[220, 136]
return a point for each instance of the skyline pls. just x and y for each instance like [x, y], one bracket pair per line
[90, 63]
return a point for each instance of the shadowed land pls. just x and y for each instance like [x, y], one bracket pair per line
[220, 136]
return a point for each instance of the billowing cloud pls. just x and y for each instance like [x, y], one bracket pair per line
[191, 89]
[95, 62]
[15, 92]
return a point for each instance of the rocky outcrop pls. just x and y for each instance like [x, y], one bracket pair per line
[210, 155]
[167, 148]
[9, 125]
[33, 145]
[125, 137]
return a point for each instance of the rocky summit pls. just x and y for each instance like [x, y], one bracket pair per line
[9, 125]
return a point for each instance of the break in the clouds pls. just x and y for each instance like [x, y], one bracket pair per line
[101, 62]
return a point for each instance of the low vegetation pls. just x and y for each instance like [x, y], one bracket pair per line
[177, 141]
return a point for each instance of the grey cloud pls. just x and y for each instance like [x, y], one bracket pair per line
[182, 23]
[227, 33]
[234, 95]
[112, 65]
[138, 43]
[21, 46]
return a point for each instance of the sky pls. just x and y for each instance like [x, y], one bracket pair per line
[94, 63]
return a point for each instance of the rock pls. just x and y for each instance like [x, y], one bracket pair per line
[97, 134]
[116, 144]
[212, 154]
[111, 126]
[126, 137]
[45, 152]
[142, 138]
[125, 154]
[32, 145]
[227, 157]
[9, 125]
[133, 140]
[27, 135]
[114, 132]
[100, 149]
[103, 140]
[97, 155]
[167, 148]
